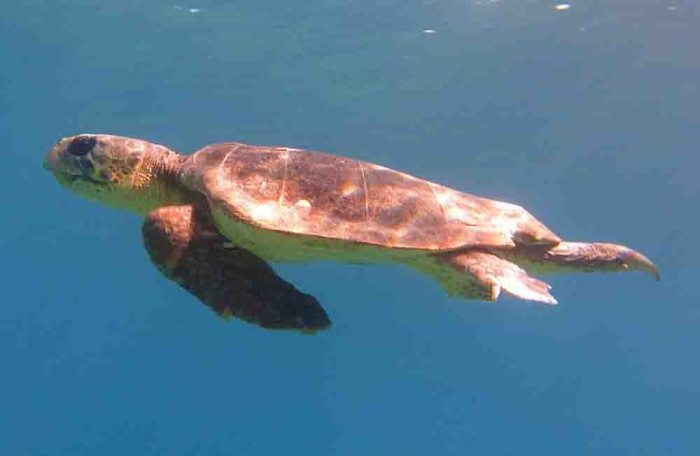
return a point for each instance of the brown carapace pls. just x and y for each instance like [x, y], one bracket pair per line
[216, 217]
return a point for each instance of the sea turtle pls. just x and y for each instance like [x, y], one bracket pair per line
[216, 217]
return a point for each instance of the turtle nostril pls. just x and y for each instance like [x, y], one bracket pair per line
[81, 145]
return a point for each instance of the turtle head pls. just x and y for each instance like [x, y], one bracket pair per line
[120, 172]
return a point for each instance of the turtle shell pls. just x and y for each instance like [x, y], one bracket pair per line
[317, 194]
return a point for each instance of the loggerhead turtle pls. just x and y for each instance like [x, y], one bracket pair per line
[216, 217]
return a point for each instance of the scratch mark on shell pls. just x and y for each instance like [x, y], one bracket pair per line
[285, 155]
[364, 183]
[223, 162]
[194, 157]
[442, 208]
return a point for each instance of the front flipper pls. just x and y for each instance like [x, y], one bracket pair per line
[490, 274]
[188, 249]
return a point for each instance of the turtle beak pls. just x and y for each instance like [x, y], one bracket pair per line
[55, 158]
[51, 159]
[59, 161]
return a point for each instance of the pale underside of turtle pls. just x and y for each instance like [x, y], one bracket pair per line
[217, 217]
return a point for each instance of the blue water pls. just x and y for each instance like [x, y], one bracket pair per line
[586, 116]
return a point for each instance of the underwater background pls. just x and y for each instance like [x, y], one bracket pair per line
[585, 113]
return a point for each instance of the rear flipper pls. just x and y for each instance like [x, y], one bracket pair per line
[488, 274]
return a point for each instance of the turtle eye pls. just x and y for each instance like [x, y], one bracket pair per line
[81, 145]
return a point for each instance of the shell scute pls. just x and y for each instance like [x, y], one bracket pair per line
[331, 185]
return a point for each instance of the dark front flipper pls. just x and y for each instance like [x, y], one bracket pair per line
[488, 274]
[232, 281]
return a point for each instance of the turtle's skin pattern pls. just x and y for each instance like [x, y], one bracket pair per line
[217, 216]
